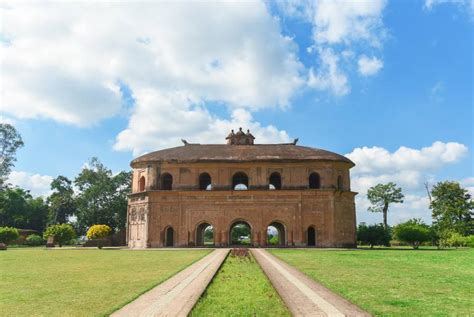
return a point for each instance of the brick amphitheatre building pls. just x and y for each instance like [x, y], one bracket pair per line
[303, 192]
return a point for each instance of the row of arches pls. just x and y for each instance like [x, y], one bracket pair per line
[240, 181]
[240, 233]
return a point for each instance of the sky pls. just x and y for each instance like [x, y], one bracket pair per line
[389, 84]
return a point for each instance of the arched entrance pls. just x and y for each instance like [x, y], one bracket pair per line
[204, 235]
[311, 238]
[276, 234]
[240, 233]
[169, 237]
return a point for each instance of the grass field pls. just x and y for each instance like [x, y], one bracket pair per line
[240, 288]
[95, 282]
[394, 282]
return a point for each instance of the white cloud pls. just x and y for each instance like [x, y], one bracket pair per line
[64, 61]
[329, 77]
[38, 185]
[407, 167]
[369, 66]
[464, 4]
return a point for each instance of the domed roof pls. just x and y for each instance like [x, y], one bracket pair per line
[190, 153]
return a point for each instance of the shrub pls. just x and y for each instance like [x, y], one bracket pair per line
[8, 234]
[414, 232]
[98, 232]
[34, 240]
[470, 241]
[373, 235]
[62, 233]
[457, 240]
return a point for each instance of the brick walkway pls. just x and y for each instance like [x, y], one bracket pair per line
[301, 294]
[177, 295]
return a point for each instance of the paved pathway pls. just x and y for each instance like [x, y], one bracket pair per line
[301, 294]
[177, 295]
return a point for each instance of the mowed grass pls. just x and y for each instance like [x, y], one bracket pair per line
[240, 288]
[394, 282]
[39, 282]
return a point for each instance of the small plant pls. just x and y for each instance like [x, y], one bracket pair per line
[34, 240]
[7, 235]
[242, 253]
[62, 233]
[98, 232]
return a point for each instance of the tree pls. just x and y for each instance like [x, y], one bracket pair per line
[61, 202]
[62, 233]
[373, 235]
[381, 196]
[10, 142]
[102, 196]
[8, 234]
[414, 232]
[452, 208]
[20, 210]
[98, 232]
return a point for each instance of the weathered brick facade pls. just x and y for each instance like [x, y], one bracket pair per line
[158, 217]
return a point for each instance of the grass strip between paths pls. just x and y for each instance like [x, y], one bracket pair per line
[240, 288]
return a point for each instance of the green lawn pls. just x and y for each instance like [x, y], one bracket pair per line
[35, 282]
[394, 282]
[240, 288]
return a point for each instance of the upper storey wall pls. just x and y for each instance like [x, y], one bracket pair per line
[294, 175]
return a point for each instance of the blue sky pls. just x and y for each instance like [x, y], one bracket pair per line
[388, 83]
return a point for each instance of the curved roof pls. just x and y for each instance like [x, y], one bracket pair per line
[240, 153]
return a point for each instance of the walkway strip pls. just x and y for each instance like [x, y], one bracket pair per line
[302, 295]
[177, 295]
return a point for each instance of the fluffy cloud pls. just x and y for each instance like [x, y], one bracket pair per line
[467, 4]
[340, 26]
[407, 167]
[69, 61]
[38, 185]
[369, 66]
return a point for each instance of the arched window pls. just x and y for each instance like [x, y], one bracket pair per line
[339, 182]
[166, 181]
[240, 181]
[205, 181]
[169, 237]
[141, 184]
[314, 180]
[275, 181]
[311, 237]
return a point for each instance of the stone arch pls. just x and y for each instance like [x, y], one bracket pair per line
[314, 181]
[311, 236]
[166, 181]
[274, 181]
[200, 231]
[169, 236]
[339, 183]
[141, 184]
[236, 222]
[282, 234]
[205, 181]
[240, 181]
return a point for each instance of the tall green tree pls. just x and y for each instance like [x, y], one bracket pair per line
[452, 208]
[61, 202]
[10, 141]
[381, 196]
[102, 197]
[20, 210]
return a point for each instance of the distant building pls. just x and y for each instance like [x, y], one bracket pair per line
[303, 192]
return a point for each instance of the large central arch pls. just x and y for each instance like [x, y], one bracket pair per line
[204, 236]
[241, 237]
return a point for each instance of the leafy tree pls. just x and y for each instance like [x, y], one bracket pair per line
[373, 235]
[452, 208]
[8, 234]
[381, 196]
[414, 232]
[20, 210]
[239, 230]
[102, 196]
[98, 232]
[62, 233]
[209, 234]
[10, 141]
[34, 240]
[61, 202]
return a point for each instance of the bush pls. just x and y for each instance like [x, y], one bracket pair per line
[457, 240]
[374, 235]
[8, 234]
[34, 240]
[62, 233]
[470, 241]
[414, 232]
[98, 232]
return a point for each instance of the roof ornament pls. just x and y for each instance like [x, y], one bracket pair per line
[295, 141]
[240, 138]
[184, 142]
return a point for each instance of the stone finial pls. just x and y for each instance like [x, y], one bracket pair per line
[240, 138]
